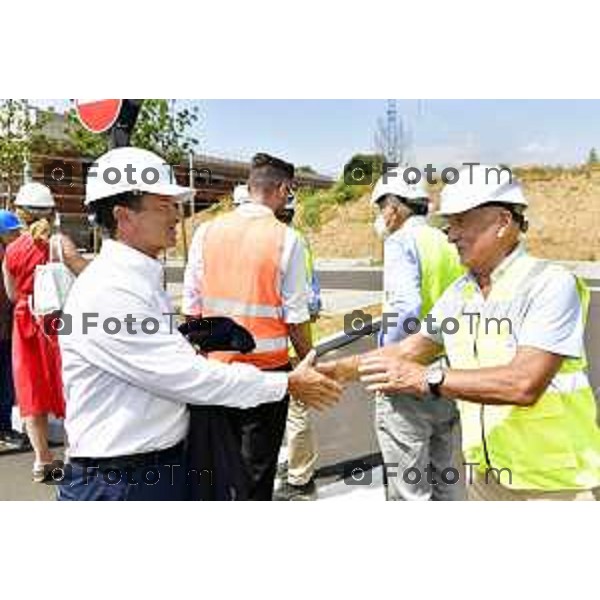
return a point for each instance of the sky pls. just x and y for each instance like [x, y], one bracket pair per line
[326, 133]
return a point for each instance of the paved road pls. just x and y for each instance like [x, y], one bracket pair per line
[15, 479]
[16, 484]
[345, 433]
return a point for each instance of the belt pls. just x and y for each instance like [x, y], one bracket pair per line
[133, 461]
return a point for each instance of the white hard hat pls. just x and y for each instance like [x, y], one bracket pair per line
[131, 169]
[479, 184]
[290, 203]
[241, 195]
[35, 195]
[399, 182]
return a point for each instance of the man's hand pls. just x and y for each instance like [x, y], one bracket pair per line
[343, 370]
[390, 374]
[313, 388]
[71, 256]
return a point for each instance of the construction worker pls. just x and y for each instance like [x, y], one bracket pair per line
[248, 266]
[298, 472]
[128, 373]
[512, 329]
[419, 264]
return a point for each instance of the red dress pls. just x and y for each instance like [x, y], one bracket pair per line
[36, 356]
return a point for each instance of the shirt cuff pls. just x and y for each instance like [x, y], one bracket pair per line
[434, 337]
[276, 386]
[296, 316]
[191, 308]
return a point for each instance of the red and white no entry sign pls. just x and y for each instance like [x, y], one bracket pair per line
[98, 115]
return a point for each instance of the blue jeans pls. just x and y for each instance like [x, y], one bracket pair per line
[7, 389]
[143, 483]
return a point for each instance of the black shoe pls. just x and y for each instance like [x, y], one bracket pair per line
[15, 441]
[288, 492]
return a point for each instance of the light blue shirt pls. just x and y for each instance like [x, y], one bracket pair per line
[401, 281]
[312, 279]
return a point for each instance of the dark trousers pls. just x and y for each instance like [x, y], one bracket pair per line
[166, 480]
[239, 447]
[7, 389]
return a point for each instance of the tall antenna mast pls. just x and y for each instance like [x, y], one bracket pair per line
[391, 135]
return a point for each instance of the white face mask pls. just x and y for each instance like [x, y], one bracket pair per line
[380, 228]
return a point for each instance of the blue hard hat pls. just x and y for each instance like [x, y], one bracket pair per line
[9, 222]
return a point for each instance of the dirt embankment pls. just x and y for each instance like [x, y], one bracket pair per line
[564, 220]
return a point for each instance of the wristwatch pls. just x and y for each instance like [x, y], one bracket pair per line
[434, 378]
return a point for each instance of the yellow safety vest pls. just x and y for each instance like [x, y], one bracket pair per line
[309, 267]
[552, 445]
[440, 265]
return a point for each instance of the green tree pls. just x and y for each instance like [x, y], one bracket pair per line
[375, 161]
[159, 128]
[165, 131]
[306, 169]
[592, 157]
[21, 134]
[81, 140]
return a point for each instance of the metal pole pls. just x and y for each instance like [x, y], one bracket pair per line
[27, 171]
[96, 241]
[183, 232]
[193, 184]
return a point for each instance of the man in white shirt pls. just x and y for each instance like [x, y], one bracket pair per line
[128, 373]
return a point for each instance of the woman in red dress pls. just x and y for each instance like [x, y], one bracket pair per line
[36, 355]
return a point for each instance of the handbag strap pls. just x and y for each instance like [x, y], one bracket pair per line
[56, 240]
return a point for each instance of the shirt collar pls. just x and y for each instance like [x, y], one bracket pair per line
[508, 261]
[414, 221]
[123, 254]
[410, 223]
[254, 209]
[505, 265]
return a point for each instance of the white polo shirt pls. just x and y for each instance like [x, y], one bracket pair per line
[126, 392]
[295, 291]
[547, 317]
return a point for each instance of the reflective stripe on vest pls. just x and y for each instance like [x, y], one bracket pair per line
[241, 279]
[552, 445]
[226, 306]
[267, 345]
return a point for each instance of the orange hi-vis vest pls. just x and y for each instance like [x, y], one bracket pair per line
[241, 280]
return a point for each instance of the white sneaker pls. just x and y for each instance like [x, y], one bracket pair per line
[38, 473]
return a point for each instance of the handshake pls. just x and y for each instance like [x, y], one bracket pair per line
[316, 385]
[320, 385]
